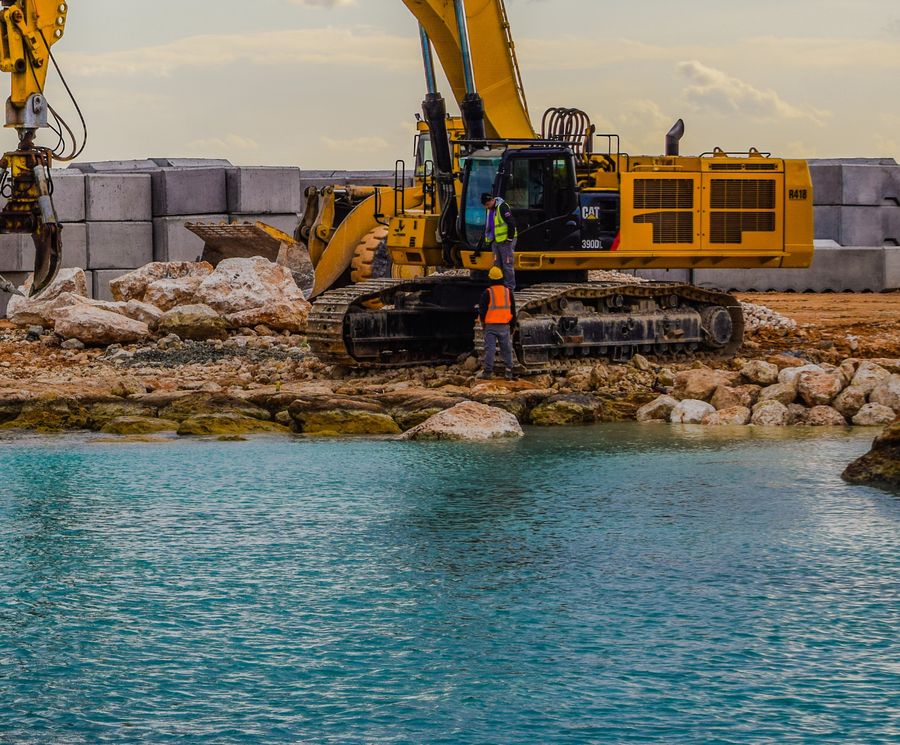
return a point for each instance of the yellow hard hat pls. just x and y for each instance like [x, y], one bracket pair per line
[495, 273]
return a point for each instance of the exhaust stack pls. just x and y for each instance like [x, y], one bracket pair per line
[673, 138]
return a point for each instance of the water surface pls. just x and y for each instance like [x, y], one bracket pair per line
[610, 584]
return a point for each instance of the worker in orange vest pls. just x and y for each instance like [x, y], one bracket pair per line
[497, 311]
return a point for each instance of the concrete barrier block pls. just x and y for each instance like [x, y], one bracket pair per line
[74, 246]
[119, 245]
[264, 190]
[114, 166]
[189, 191]
[14, 253]
[68, 194]
[834, 269]
[321, 179]
[101, 280]
[665, 275]
[192, 162]
[117, 197]
[892, 268]
[827, 223]
[285, 223]
[173, 242]
[827, 184]
[858, 225]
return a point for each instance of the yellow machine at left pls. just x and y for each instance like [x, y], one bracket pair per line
[28, 30]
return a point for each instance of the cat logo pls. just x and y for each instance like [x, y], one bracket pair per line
[590, 213]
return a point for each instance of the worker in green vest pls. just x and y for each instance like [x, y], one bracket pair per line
[500, 234]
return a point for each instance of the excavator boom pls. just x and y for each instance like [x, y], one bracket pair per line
[493, 57]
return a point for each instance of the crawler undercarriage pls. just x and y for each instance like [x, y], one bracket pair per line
[394, 323]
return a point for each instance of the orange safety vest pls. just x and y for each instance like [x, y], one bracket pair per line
[499, 305]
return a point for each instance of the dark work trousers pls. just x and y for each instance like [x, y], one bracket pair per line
[497, 333]
[504, 257]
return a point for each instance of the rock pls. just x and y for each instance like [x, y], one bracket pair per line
[168, 293]
[41, 312]
[726, 397]
[641, 363]
[227, 423]
[869, 376]
[891, 364]
[797, 414]
[413, 406]
[280, 315]
[699, 384]
[133, 286]
[887, 393]
[237, 285]
[791, 375]
[467, 421]
[824, 416]
[881, 465]
[72, 344]
[470, 364]
[51, 415]
[787, 360]
[665, 378]
[181, 406]
[819, 388]
[565, 410]
[71, 281]
[138, 425]
[760, 372]
[769, 413]
[733, 415]
[872, 415]
[850, 400]
[143, 312]
[170, 341]
[197, 322]
[784, 393]
[97, 326]
[659, 408]
[341, 415]
[849, 367]
[690, 411]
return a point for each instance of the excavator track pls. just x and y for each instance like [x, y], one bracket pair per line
[396, 323]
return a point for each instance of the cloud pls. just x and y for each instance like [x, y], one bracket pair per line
[715, 90]
[356, 144]
[228, 143]
[324, 3]
[332, 46]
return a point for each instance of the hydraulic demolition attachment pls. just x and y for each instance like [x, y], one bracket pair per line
[28, 28]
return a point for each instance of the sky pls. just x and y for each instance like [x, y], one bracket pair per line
[336, 84]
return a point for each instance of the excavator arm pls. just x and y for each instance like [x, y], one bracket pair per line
[28, 28]
[493, 55]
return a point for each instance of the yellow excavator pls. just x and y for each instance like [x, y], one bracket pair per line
[580, 204]
[28, 29]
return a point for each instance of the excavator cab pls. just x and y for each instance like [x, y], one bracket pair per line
[538, 183]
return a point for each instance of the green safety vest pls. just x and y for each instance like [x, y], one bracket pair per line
[501, 229]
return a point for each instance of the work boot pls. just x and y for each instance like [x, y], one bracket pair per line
[486, 375]
[509, 375]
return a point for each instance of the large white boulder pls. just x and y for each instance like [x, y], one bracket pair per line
[887, 393]
[659, 408]
[869, 376]
[167, 293]
[819, 388]
[874, 415]
[133, 286]
[279, 315]
[93, 325]
[790, 375]
[237, 285]
[28, 311]
[784, 393]
[770, 413]
[690, 411]
[760, 372]
[468, 420]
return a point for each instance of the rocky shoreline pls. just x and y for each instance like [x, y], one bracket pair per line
[221, 352]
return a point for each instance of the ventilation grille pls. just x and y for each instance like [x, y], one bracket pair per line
[669, 227]
[742, 194]
[663, 194]
[743, 166]
[729, 227]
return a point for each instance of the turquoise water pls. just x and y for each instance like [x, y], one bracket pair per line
[611, 584]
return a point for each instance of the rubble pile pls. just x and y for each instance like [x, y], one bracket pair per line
[758, 317]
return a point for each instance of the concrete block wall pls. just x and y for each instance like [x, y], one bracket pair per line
[119, 215]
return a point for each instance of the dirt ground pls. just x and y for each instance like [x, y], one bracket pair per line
[865, 325]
